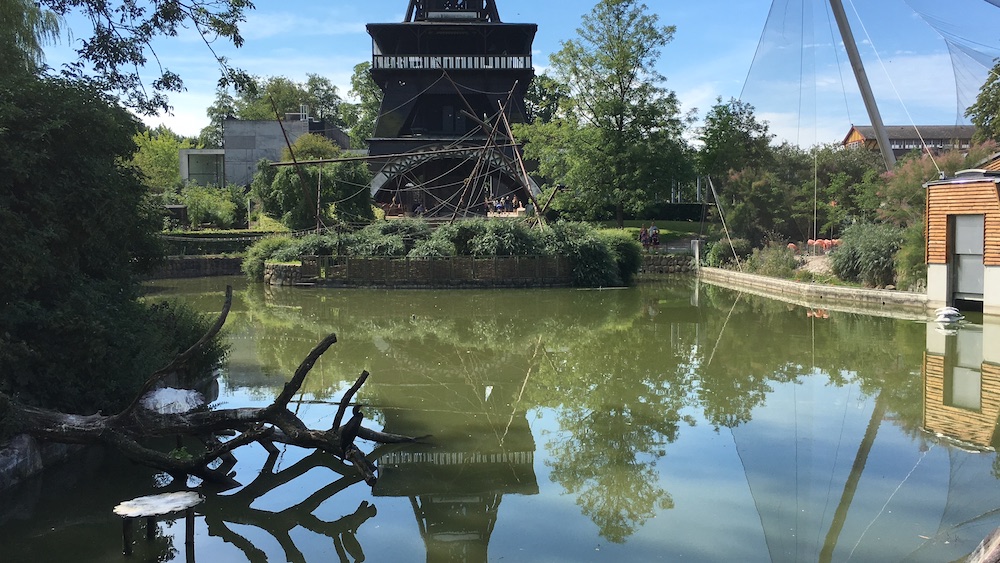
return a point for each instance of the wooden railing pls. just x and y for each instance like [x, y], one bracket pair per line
[459, 62]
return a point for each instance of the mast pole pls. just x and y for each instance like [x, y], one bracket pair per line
[866, 90]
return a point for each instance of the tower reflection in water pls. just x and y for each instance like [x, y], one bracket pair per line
[479, 448]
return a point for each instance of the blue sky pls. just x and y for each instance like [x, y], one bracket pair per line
[800, 83]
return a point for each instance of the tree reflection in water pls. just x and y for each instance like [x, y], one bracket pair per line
[623, 373]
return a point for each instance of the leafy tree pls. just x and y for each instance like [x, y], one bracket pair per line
[223, 107]
[287, 96]
[733, 140]
[985, 113]
[290, 193]
[80, 232]
[323, 99]
[544, 98]
[123, 33]
[26, 29]
[360, 118]
[158, 157]
[318, 95]
[223, 208]
[901, 201]
[618, 118]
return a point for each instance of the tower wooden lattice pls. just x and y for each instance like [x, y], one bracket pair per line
[453, 76]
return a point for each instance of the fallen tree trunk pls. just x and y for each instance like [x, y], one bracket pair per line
[133, 428]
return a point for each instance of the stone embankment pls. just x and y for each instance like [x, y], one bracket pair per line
[666, 264]
[870, 301]
[198, 267]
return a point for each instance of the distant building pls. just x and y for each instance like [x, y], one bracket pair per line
[245, 142]
[204, 166]
[248, 141]
[906, 138]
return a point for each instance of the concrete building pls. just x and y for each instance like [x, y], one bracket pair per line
[204, 166]
[245, 142]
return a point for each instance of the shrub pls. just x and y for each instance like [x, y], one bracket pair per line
[434, 247]
[721, 252]
[370, 242]
[626, 250]
[261, 251]
[773, 260]
[461, 234]
[866, 254]
[209, 204]
[594, 263]
[309, 245]
[910, 261]
[505, 238]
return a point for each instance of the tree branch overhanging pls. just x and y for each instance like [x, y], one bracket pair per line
[220, 431]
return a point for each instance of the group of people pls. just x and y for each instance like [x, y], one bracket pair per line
[505, 204]
[649, 237]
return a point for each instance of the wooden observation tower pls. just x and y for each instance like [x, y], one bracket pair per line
[453, 78]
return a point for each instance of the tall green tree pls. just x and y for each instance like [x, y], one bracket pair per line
[26, 28]
[318, 96]
[158, 159]
[289, 193]
[544, 98]
[79, 234]
[620, 112]
[222, 108]
[985, 113]
[361, 118]
[733, 139]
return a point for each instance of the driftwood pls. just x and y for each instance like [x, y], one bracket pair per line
[132, 429]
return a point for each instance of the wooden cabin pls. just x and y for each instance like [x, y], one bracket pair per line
[962, 233]
[907, 138]
[961, 372]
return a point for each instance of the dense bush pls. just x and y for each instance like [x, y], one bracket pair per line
[209, 205]
[910, 261]
[721, 254]
[370, 242]
[594, 263]
[80, 233]
[600, 259]
[260, 252]
[505, 238]
[866, 254]
[434, 247]
[627, 253]
[774, 260]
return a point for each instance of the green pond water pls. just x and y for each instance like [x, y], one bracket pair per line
[673, 421]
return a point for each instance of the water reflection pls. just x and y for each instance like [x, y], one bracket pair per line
[667, 421]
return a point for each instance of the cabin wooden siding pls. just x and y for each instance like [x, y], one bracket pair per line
[970, 198]
[975, 427]
[855, 138]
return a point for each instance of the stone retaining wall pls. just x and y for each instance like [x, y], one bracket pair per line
[902, 304]
[198, 267]
[666, 264]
